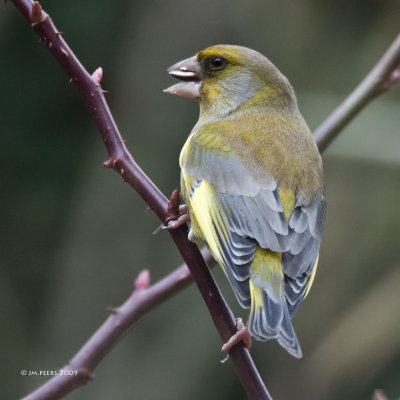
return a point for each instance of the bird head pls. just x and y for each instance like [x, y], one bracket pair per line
[225, 78]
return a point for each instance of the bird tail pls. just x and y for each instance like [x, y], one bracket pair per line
[269, 314]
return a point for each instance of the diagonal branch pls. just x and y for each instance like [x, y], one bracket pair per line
[380, 79]
[143, 299]
[122, 162]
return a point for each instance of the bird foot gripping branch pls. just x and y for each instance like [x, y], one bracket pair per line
[177, 214]
[242, 335]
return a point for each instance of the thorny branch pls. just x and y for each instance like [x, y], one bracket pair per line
[122, 162]
[146, 297]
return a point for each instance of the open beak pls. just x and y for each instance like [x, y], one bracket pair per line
[189, 72]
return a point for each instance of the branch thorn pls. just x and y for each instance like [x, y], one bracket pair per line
[87, 374]
[98, 75]
[143, 280]
[37, 14]
[113, 310]
[379, 395]
[109, 163]
[64, 52]
[391, 80]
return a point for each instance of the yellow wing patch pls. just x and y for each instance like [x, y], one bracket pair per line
[203, 205]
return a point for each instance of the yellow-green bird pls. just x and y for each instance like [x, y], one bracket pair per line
[252, 178]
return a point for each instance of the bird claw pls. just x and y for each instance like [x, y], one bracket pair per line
[177, 220]
[178, 214]
[242, 335]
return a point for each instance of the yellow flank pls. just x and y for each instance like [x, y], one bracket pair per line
[204, 206]
[288, 200]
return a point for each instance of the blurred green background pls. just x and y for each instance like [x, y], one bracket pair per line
[73, 237]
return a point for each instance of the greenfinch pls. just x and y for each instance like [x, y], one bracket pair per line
[252, 178]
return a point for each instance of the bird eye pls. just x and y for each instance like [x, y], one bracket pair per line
[217, 63]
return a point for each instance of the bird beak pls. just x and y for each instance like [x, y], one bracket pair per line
[189, 72]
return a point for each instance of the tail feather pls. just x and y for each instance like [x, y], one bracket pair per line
[269, 313]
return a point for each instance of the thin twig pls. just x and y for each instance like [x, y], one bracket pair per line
[380, 79]
[122, 162]
[143, 299]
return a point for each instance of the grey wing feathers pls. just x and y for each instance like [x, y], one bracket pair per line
[251, 221]
[260, 217]
[237, 254]
[305, 226]
[273, 322]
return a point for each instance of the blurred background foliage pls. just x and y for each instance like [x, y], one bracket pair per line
[73, 237]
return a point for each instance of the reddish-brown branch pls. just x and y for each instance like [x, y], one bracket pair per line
[143, 299]
[382, 77]
[122, 161]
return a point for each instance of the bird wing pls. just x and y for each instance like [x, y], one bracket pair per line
[235, 213]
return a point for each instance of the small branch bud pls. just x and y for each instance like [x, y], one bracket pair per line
[173, 203]
[109, 163]
[391, 80]
[143, 280]
[37, 14]
[88, 375]
[98, 75]
[113, 310]
[379, 395]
